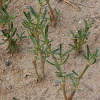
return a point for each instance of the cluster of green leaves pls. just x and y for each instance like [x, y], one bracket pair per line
[58, 63]
[5, 3]
[91, 58]
[9, 37]
[79, 39]
[56, 13]
[5, 18]
[9, 32]
[35, 28]
[30, 24]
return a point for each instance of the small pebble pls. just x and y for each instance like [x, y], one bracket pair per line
[80, 22]
[7, 78]
[8, 63]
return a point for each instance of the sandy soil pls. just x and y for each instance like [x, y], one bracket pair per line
[19, 79]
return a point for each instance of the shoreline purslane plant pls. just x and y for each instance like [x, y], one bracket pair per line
[58, 63]
[4, 3]
[80, 38]
[91, 59]
[34, 30]
[8, 30]
[52, 16]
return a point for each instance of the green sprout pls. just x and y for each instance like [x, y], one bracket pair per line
[9, 37]
[9, 31]
[91, 59]
[20, 36]
[79, 39]
[58, 63]
[34, 30]
[4, 3]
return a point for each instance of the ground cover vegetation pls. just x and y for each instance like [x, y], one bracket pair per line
[37, 25]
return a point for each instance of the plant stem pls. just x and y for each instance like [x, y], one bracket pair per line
[37, 23]
[35, 66]
[52, 13]
[75, 44]
[42, 62]
[64, 90]
[0, 4]
[70, 97]
[89, 62]
[81, 75]
[56, 62]
[50, 51]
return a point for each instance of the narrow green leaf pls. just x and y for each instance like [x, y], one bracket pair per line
[39, 1]
[53, 64]
[72, 45]
[88, 52]
[80, 33]
[94, 61]
[4, 10]
[14, 32]
[74, 72]
[85, 57]
[85, 23]
[72, 80]
[3, 42]
[70, 74]
[33, 12]
[72, 32]
[44, 16]
[87, 34]
[25, 14]
[96, 52]
[46, 31]
[60, 50]
[80, 90]
[8, 4]
[12, 26]
[55, 51]
[33, 40]
[57, 67]
[4, 33]
[50, 63]
[67, 52]
[65, 59]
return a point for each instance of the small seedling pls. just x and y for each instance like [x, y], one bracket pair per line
[52, 17]
[34, 30]
[91, 59]
[57, 13]
[79, 39]
[54, 14]
[9, 31]
[3, 12]
[20, 36]
[4, 3]
[58, 63]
